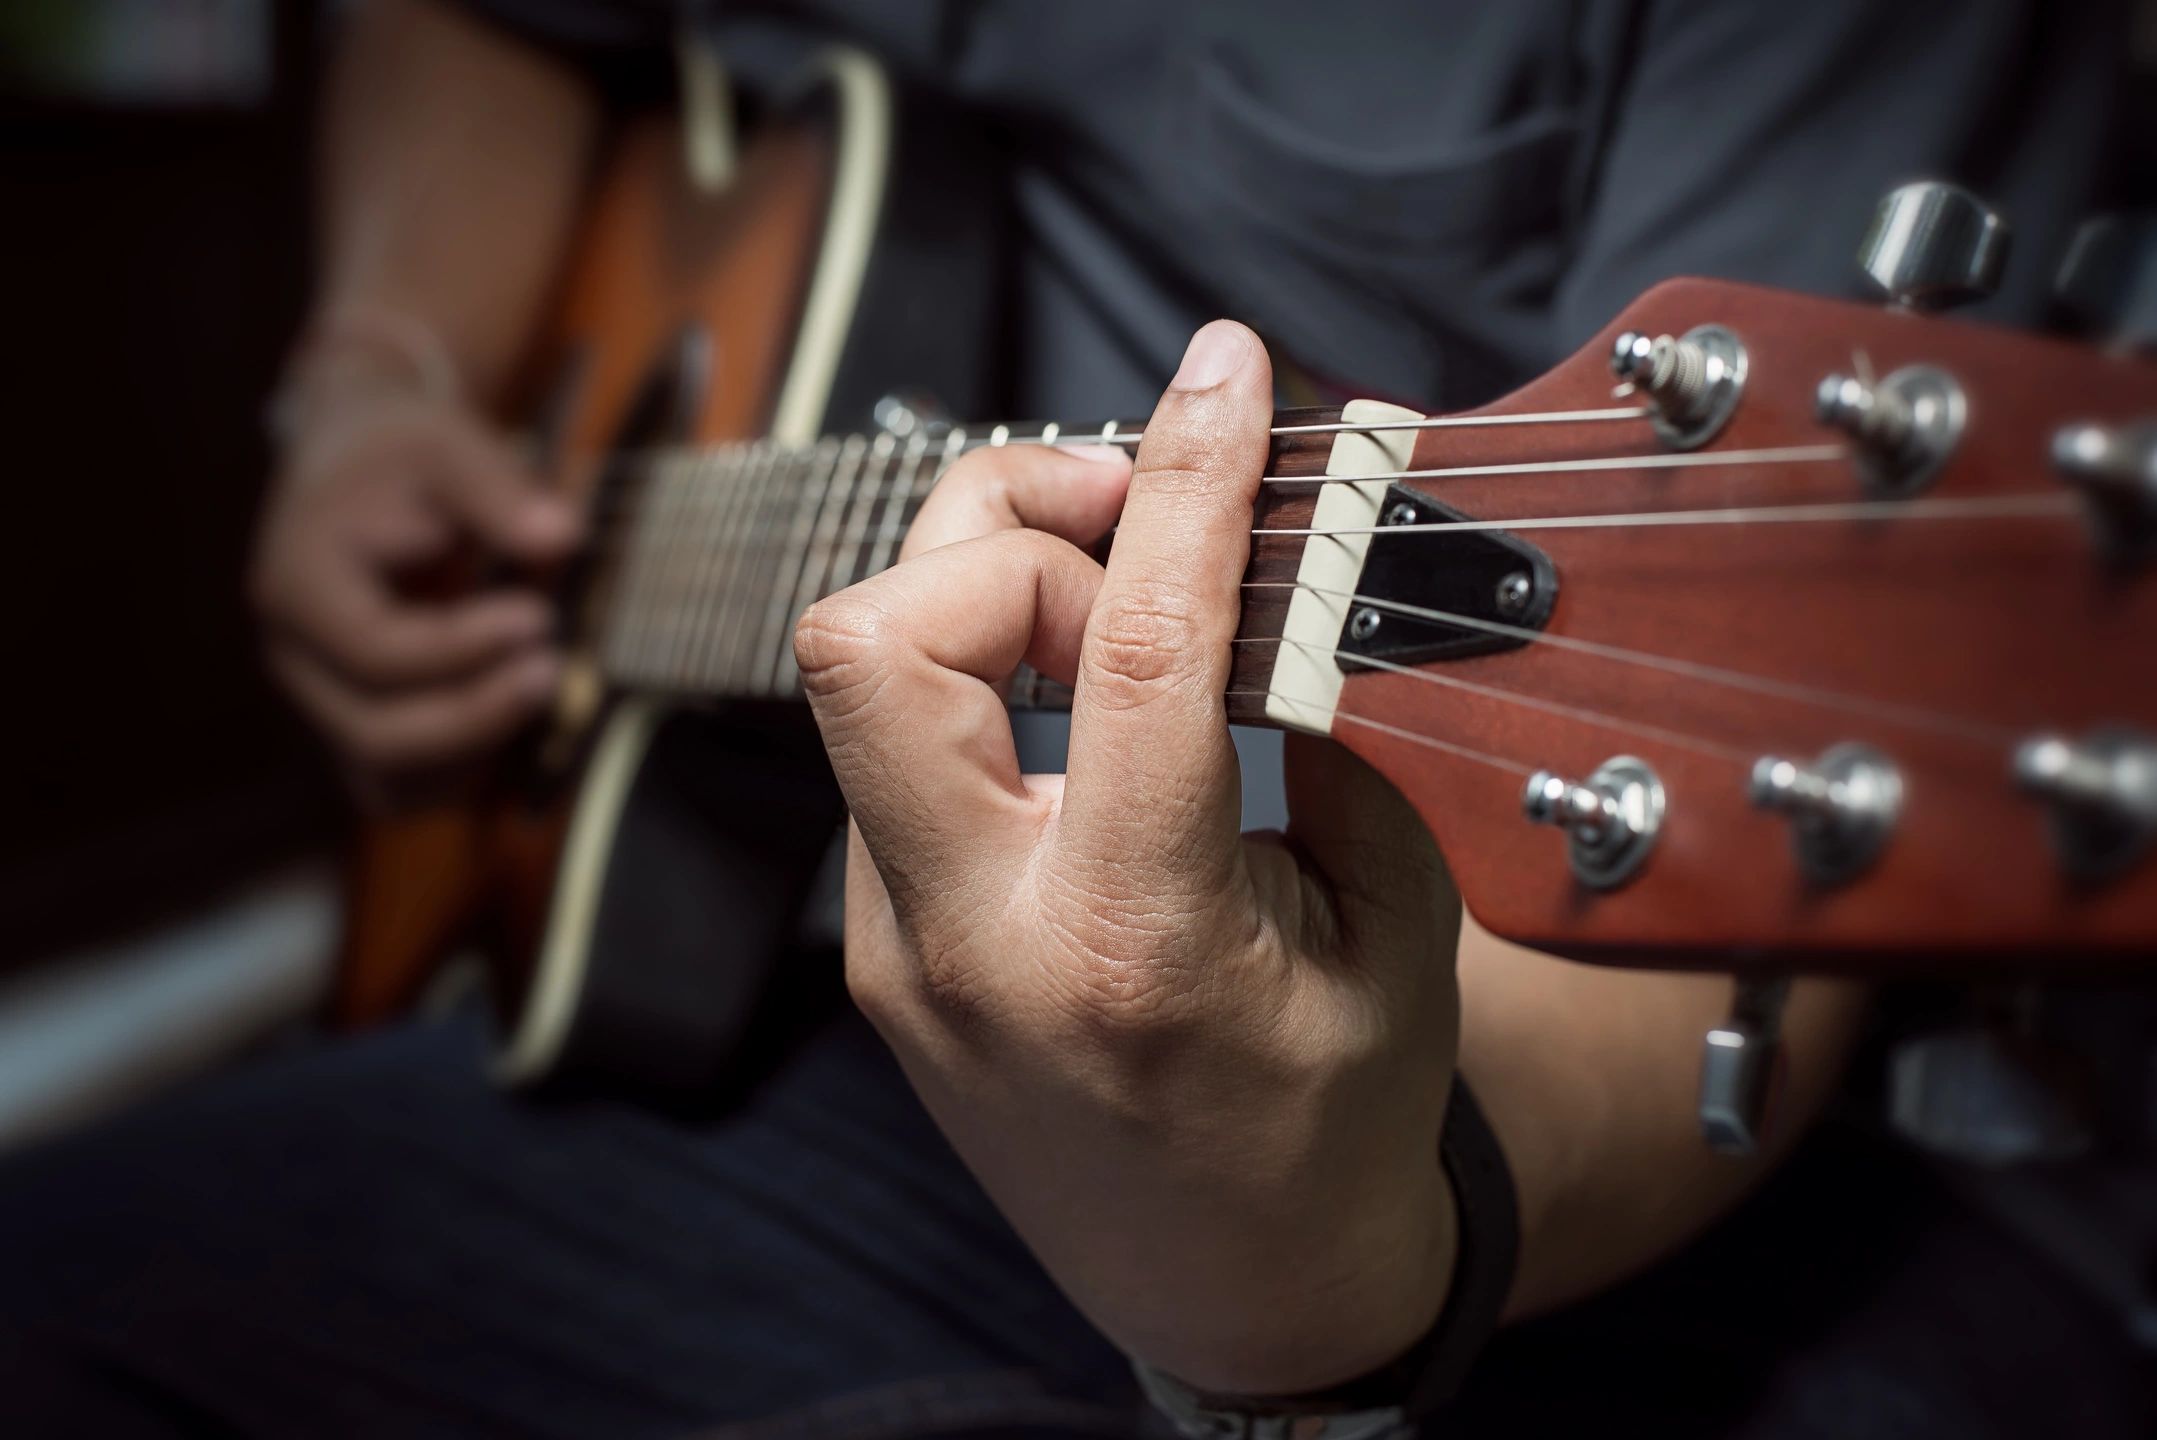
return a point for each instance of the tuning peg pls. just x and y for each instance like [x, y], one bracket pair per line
[1932, 245]
[2109, 278]
[2115, 467]
[903, 413]
[2102, 790]
[1739, 1066]
[1610, 819]
[1692, 382]
[1905, 427]
[1842, 807]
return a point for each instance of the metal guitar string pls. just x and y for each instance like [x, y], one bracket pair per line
[1984, 507]
[959, 443]
[1678, 738]
[1911, 716]
[1787, 454]
[1480, 757]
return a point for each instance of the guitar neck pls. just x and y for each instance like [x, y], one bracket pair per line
[703, 559]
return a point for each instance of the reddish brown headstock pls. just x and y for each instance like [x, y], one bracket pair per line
[1943, 641]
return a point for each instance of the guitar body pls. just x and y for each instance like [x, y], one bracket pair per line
[631, 878]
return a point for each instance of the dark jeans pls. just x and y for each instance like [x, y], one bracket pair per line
[365, 1240]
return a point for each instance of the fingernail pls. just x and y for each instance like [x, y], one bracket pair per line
[1217, 351]
[1098, 454]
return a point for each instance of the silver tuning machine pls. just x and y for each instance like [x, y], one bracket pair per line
[2102, 791]
[1740, 1067]
[1842, 807]
[1932, 245]
[1692, 382]
[1610, 820]
[903, 414]
[2109, 279]
[1904, 426]
[2115, 468]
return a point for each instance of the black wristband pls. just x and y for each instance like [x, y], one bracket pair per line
[1430, 1373]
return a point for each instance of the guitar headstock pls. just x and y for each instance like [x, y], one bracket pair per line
[1843, 655]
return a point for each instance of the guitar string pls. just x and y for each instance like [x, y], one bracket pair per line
[987, 437]
[1705, 459]
[651, 460]
[1984, 507]
[1979, 508]
[1892, 712]
[1450, 747]
[1661, 734]
[918, 462]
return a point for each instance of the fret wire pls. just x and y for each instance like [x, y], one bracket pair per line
[675, 624]
[775, 660]
[656, 561]
[628, 627]
[716, 484]
[747, 674]
[730, 535]
[831, 512]
[819, 519]
[682, 557]
[600, 607]
[898, 514]
[746, 564]
[830, 563]
[792, 556]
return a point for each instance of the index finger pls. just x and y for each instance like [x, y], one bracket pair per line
[1148, 717]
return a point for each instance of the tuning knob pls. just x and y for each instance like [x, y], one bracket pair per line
[2115, 468]
[1611, 819]
[2109, 278]
[1842, 807]
[1905, 427]
[1692, 382]
[1932, 245]
[2102, 791]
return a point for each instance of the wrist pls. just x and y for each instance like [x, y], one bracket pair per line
[1358, 1288]
[357, 358]
[1428, 1373]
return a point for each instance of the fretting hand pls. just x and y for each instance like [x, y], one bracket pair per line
[1202, 1072]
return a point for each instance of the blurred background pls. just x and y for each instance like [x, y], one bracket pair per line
[163, 877]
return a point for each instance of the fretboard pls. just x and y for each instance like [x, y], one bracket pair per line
[705, 558]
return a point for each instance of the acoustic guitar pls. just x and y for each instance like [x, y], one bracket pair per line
[1767, 634]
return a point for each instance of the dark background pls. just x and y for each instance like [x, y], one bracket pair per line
[155, 251]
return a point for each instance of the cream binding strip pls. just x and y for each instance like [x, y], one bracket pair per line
[1306, 686]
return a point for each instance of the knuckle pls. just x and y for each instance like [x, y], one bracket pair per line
[1139, 645]
[1122, 958]
[842, 645]
[869, 986]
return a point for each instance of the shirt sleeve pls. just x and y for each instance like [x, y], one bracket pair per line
[1751, 142]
